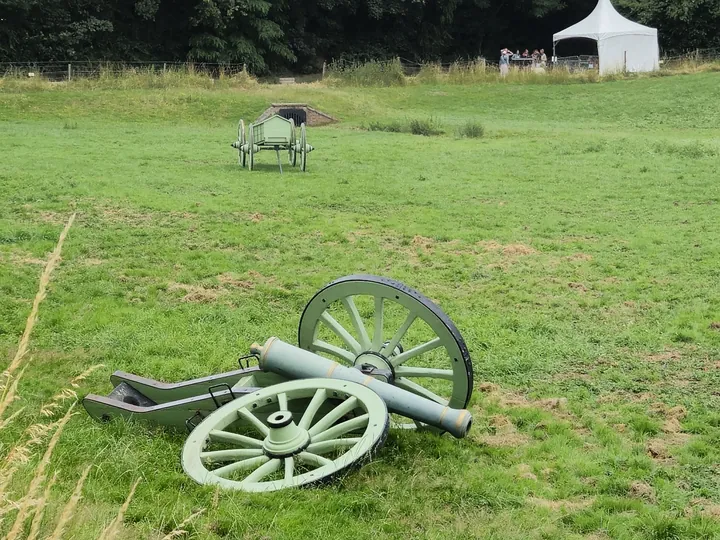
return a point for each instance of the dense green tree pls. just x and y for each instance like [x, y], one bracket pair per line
[240, 31]
[276, 35]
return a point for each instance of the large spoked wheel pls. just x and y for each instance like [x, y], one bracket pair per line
[303, 147]
[287, 435]
[362, 319]
[241, 138]
[251, 148]
[292, 153]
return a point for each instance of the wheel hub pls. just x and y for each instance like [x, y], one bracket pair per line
[375, 365]
[285, 438]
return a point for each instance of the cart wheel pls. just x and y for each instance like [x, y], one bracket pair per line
[251, 148]
[303, 147]
[242, 158]
[409, 335]
[288, 435]
[292, 153]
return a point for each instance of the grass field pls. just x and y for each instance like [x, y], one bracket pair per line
[576, 246]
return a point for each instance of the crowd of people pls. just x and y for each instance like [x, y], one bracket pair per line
[536, 60]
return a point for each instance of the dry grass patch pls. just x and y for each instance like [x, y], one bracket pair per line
[231, 279]
[579, 257]
[663, 357]
[562, 504]
[197, 293]
[508, 250]
[22, 258]
[703, 507]
[505, 433]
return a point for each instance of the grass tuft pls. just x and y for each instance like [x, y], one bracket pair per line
[471, 129]
[426, 126]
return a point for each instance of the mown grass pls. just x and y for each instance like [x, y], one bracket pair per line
[575, 246]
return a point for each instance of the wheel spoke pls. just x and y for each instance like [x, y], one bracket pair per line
[313, 459]
[254, 420]
[340, 332]
[217, 435]
[400, 333]
[312, 409]
[410, 386]
[282, 401]
[243, 465]
[341, 429]
[289, 468]
[236, 454]
[333, 416]
[332, 444]
[378, 333]
[357, 322]
[415, 351]
[323, 346]
[412, 371]
[261, 472]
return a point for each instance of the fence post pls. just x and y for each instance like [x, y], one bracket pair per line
[324, 67]
[69, 71]
[164, 67]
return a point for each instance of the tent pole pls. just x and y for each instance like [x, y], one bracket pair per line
[553, 56]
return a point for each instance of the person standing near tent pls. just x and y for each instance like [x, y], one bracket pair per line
[543, 58]
[504, 62]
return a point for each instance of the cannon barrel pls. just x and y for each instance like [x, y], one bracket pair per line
[295, 363]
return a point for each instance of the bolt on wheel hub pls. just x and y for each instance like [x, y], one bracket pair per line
[284, 438]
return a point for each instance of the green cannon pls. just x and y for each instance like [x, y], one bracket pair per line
[373, 353]
[275, 133]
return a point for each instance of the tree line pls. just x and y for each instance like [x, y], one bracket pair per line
[299, 35]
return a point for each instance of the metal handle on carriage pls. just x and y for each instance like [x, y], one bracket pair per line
[295, 363]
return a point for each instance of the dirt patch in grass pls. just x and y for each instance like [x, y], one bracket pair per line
[641, 490]
[715, 325]
[256, 217]
[562, 504]
[578, 287]
[661, 448]
[92, 262]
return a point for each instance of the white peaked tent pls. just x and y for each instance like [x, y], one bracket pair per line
[623, 45]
